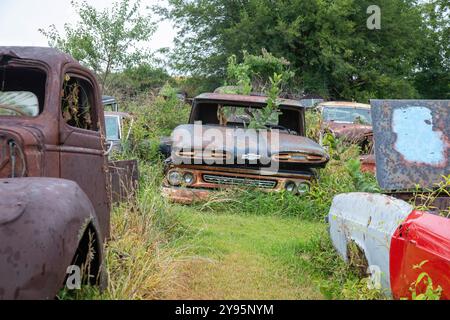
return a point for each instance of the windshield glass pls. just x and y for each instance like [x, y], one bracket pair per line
[23, 103]
[242, 115]
[112, 128]
[347, 115]
[288, 119]
[22, 91]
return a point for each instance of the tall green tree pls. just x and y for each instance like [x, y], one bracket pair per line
[433, 75]
[327, 41]
[105, 40]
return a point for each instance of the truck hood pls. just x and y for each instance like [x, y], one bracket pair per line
[260, 144]
[348, 131]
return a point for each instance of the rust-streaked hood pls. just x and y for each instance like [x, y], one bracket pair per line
[240, 142]
[348, 131]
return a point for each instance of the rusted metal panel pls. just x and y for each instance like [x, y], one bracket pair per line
[411, 142]
[368, 163]
[185, 195]
[41, 224]
[369, 220]
[236, 144]
[41, 146]
[124, 178]
[224, 177]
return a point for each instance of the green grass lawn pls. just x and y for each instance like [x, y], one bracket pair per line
[236, 256]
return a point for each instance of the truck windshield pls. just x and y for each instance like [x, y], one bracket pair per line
[347, 115]
[242, 115]
[21, 103]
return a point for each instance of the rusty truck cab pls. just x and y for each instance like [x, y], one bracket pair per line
[53, 141]
[53, 172]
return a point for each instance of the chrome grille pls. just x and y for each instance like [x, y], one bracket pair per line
[237, 181]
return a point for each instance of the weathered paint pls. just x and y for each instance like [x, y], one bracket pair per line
[234, 143]
[368, 163]
[369, 220]
[429, 146]
[348, 132]
[264, 158]
[185, 195]
[52, 148]
[41, 220]
[420, 244]
[411, 142]
[200, 188]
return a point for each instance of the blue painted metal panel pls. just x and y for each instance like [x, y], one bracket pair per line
[412, 141]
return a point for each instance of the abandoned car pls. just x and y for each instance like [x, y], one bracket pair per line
[110, 104]
[116, 130]
[401, 236]
[217, 149]
[349, 121]
[54, 200]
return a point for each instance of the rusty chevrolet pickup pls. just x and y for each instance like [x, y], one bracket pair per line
[217, 149]
[54, 198]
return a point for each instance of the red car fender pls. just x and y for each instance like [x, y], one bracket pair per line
[420, 244]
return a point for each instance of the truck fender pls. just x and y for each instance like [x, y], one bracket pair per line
[42, 224]
[369, 220]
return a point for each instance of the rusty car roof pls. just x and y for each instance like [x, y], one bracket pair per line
[412, 142]
[344, 104]
[50, 56]
[239, 98]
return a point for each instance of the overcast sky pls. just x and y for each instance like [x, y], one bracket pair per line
[21, 19]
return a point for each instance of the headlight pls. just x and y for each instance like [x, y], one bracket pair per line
[290, 187]
[174, 178]
[303, 187]
[188, 178]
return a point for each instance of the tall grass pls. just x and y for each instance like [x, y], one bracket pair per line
[144, 251]
[339, 176]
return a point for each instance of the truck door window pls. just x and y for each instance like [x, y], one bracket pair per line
[22, 103]
[77, 103]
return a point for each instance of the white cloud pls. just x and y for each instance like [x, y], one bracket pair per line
[21, 19]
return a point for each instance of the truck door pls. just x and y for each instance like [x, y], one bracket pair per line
[81, 142]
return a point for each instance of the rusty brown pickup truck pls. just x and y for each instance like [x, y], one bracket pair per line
[54, 199]
[218, 149]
